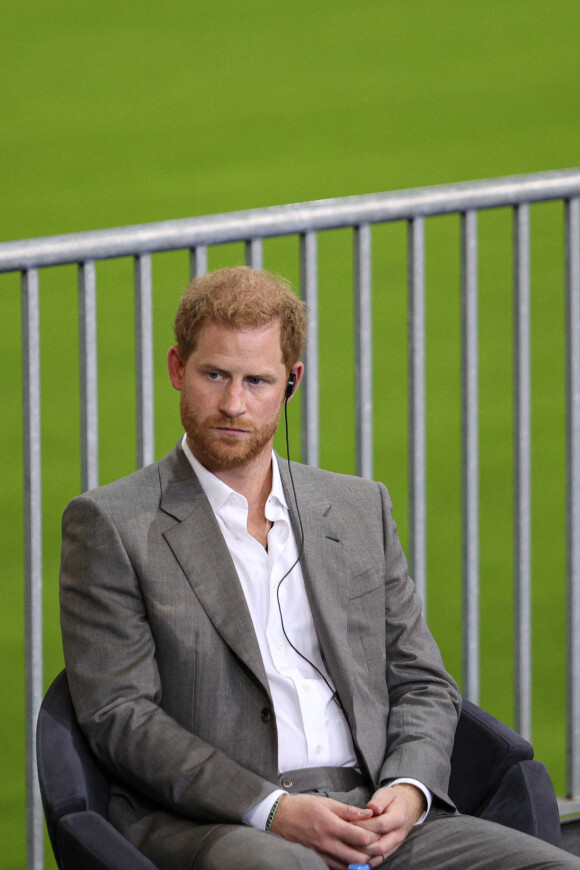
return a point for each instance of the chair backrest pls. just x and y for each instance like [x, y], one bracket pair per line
[484, 749]
[71, 779]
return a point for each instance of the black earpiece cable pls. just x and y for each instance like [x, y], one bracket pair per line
[289, 571]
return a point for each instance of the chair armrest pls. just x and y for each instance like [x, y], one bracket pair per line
[87, 840]
[484, 750]
[526, 801]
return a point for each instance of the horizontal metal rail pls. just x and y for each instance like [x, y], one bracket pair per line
[296, 218]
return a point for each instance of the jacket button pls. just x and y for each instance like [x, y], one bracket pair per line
[266, 714]
[287, 783]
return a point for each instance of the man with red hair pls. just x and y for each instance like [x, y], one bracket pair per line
[244, 647]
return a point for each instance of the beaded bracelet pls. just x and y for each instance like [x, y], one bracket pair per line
[272, 812]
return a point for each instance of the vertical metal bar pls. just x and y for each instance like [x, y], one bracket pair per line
[363, 340]
[416, 363]
[572, 217]
[198, 261]
[88, 376]
[254, 253]
[144, 360]
[522, 473]
[310, 385]
[470, 455]
[32, 556]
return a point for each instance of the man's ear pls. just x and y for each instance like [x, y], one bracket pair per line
[175, 366]
[297, 370]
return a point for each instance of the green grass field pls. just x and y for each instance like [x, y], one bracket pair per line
[113, 114]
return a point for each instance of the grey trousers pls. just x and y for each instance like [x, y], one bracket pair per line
[443, 842]
[446, 841]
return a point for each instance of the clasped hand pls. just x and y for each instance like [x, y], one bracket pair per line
[342, 834]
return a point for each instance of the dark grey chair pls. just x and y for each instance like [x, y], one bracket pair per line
[75, 792]
[493, 776]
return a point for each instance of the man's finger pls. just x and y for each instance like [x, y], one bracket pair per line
[382, 824]
[348, 812]
[381, 799]
[385, 846]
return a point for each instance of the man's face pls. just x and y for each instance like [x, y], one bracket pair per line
[232, 390]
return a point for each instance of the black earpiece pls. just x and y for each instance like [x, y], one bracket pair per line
[290, 386]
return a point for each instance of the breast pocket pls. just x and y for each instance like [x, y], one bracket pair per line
[363, 583]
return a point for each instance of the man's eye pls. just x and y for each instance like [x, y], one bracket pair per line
[255, 381]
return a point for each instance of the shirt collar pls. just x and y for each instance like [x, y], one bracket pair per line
[219, 492]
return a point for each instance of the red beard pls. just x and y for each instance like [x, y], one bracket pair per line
[217, 450]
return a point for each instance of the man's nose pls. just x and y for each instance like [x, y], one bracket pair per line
[233, 400]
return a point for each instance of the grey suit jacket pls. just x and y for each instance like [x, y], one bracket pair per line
[163, 662]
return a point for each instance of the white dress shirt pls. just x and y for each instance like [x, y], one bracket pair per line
[312, 729]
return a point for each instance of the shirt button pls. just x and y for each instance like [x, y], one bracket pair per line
[306, 687]
[318, 750]
[266, 714]
[280, 644]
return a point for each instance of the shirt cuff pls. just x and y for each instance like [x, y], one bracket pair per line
[421, 787]
[258, 815]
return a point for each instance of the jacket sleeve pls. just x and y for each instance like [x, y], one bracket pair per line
[115, 684]
[424, 699]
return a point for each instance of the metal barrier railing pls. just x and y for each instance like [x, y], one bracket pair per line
[306, 220]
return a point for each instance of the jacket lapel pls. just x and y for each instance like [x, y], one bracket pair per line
[199, 547]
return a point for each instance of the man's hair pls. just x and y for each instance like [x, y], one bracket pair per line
[241, 298]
